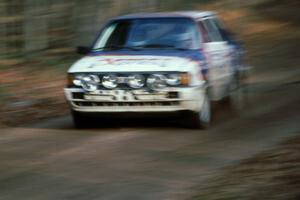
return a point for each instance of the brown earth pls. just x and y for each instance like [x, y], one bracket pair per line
[273, 174]
[32, 90]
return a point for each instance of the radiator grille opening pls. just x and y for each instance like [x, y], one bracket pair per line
[77, 95]
[116, 104]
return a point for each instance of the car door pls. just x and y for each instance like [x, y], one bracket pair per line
[217, 52]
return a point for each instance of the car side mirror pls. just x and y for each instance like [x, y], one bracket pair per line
[83, 50]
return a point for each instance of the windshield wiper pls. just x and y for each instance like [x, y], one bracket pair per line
[164, 46]
[153, 46]
[114, 47]
[140, 47]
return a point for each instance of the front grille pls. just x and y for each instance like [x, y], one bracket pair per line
[78, 95]
[172, 95]
[122, 104]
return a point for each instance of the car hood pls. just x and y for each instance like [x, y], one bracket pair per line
[130, 63]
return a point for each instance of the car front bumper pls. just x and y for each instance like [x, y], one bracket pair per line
[117, 101]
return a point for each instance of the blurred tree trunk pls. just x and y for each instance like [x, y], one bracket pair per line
[2, 28]
[83, 20]
[60, 23]
[35, 25]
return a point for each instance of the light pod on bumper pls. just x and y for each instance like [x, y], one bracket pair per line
[156, 81]
[174, 79]
[88, 82]
[77, 79]
[136, 81]
[74, 79]
[110, 81]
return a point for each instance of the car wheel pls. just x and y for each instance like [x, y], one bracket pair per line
[79, 120]
[202, 119]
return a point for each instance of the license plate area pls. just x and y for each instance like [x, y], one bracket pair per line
[123, 95]
[93, 97]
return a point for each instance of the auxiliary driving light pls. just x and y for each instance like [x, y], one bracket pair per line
[156, 82]
[110, 81]
[89, 82]
[76, 80]
[174, 79]
[136, 81]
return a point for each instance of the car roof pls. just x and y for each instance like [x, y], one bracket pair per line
[178, 14]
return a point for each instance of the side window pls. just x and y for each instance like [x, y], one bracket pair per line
[224, 32]
[213, 31]
[204, 32]
[119, 35]
[114, 34]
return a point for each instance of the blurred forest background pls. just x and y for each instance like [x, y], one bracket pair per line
[29, 26]
[38, 40]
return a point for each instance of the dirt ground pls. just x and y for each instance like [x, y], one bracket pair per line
[142, 159]
[273, 174]
[32, 90]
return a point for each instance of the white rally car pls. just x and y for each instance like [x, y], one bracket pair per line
[153, 63]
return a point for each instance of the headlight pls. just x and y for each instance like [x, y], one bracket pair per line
[136, 81]
[88, 82]
[110, 81]
[174, 79]
[156, 82]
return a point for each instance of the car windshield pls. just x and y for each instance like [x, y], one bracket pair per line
[141, 34]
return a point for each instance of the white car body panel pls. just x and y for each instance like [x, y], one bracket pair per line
[221, 70]
[119, 63]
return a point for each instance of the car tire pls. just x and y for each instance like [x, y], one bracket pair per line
[201, 119]
[79, 120]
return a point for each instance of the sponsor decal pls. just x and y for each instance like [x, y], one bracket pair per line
[135, 61]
